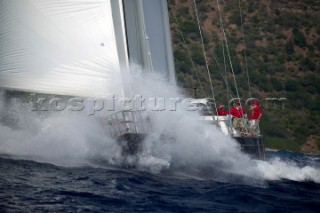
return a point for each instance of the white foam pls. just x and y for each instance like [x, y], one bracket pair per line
[178, 142]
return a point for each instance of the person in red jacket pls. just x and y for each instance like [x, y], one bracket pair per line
[254, 118]
[221, 110]
[237, 112]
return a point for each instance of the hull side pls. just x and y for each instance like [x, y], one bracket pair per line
[252, 146]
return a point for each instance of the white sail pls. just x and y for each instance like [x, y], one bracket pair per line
[81, 47]
[65, 47]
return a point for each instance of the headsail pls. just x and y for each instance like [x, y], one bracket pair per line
[81, 47]
[59, 47]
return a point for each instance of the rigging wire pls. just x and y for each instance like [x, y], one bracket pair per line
[228, 52]
[223, 75]
[204, 54]
[225, 80]
[224, 57]
[244, 49]
[188, 52]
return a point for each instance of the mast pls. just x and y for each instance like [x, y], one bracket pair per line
[148, 36]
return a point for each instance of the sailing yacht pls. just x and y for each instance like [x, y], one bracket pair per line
[83, 48]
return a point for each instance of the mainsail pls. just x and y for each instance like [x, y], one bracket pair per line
[80, 47]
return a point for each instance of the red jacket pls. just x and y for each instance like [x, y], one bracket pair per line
[222, 112]
[237, 113]
[255, 113]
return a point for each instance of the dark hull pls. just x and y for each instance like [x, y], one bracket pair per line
[252, 146]
[131, 144]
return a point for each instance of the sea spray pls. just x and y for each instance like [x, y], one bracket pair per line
[61, 138]
[178, 143]
[188, 144]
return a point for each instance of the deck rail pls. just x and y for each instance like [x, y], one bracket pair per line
[127, 122]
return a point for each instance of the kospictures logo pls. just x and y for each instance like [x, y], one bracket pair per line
[138, 103]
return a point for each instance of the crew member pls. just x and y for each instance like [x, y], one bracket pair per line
[221, 110]
[237, 112]
[254, 118]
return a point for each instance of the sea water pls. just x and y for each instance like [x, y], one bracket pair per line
[29, 186]
[67, 162]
